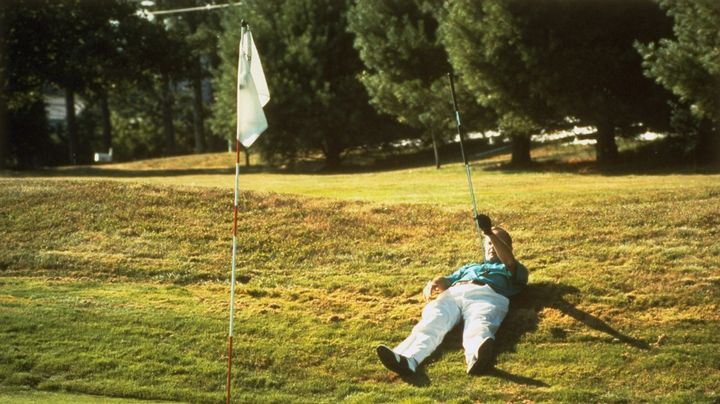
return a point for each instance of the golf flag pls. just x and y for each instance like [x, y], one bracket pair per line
[252, 95]
[252, 92]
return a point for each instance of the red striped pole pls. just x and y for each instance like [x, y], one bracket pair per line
[229, 369]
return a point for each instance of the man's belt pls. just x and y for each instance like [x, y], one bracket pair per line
[475, 282]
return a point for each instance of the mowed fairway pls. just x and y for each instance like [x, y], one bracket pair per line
[115, 283]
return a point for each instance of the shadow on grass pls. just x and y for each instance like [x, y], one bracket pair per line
[419, 379]
[523, 318]
[591, 167]
[524, 308]
[122, 173]
[369, 163]
[657, 158]
[654, 158]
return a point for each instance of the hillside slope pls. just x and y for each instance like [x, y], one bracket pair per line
[121, 289]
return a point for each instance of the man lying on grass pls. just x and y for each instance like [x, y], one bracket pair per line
[477, 292]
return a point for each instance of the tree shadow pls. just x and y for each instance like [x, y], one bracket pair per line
[370, 162]
[90, 172]
[523, 318]
[623, 167]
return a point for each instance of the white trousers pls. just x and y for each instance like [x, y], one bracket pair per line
[481, 308]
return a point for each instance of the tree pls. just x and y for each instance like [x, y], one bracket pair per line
[307, 52]
[82, 47]
[139, 130]
[24, 78]
[198, 30]
[132, 51]
[4, 152]
[171, 62]
[407, 65]
[540, 63]
[584, 65]
[689, 65]
[482, 40]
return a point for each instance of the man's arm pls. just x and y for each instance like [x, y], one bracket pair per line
[440, 284]
[503, 251]
[435, 287]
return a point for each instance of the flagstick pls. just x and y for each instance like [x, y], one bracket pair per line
[234, 264]
[243, 28]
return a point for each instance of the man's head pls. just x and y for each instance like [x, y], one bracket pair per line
[504, 236]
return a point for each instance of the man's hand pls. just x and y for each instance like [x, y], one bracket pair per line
[484, 223]
[435, 287]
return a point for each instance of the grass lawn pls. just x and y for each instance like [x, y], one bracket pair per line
[21, 395]
[115, 284]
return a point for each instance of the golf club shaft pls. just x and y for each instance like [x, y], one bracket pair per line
[465, 160]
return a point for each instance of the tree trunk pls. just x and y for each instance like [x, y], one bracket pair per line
[606, 151]
[520, 149]
[4, 135]
[167, 104]
[332, 150]
[707, 148]
[4, 152]
[332, 160]
[106, 125]
[246, 151]
[71, 124]
[198, 125]
[435, 150]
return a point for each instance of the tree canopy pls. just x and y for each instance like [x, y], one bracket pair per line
[484, 42]
[316, 103]
[77, 46]
[689, 66]
[348, 76]
[407, 66]
[542, 63]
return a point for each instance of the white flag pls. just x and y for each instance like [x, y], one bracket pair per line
[252, 93]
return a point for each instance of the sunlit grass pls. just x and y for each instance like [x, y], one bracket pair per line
[446, 187]
[115, 283]
[21, 395]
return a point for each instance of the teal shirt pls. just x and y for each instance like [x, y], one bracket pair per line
[494, 274]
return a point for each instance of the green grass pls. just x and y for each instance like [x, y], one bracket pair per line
[117, 285]
[20, 395]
